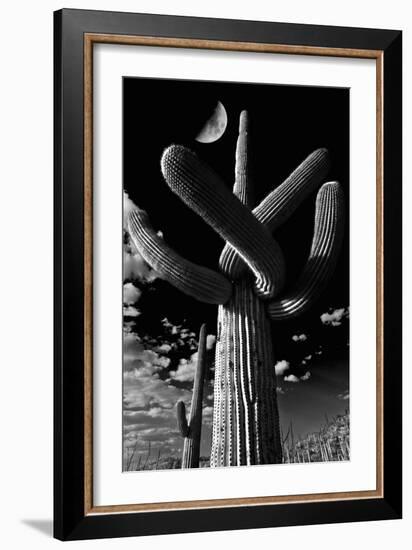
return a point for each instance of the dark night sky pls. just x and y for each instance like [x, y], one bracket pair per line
[287, 124]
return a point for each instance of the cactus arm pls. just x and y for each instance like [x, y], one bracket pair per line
[204, 192]
[199, 282]
[181, 419]
[243, 191]
[280, 204]
[326, 244]
[243, 177]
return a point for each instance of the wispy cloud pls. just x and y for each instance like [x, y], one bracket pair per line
[344, 395]
[136, 356]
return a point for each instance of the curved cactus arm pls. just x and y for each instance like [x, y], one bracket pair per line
[205, 193]
[243, 178]
[326, 244]
[181, 419]
[280, 204]
[199, 282]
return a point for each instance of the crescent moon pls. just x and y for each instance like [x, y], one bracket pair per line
[215, 126]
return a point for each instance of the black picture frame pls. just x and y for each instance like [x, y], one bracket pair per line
[71, 520]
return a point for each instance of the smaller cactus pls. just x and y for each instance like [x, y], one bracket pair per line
[192, 430]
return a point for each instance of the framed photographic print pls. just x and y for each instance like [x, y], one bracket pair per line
[227, 274]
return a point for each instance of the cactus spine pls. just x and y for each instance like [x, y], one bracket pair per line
[245, 416]
[191, 430]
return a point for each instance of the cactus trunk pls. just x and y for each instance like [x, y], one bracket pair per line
[245, 418]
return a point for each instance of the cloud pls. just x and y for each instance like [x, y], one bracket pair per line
[136, 357]
[210, 341]
[131, 294]
[343, 396]
[130, 311]
[185, 371]
[280, 390]
[291, 378]
[134, 266]
[281, 367]
[335, 317]
[166, 323]
[299, 337]
[170, 327]
[146, 418]
[128, 326]
[306, 376]
[143, 388]
[164, 348]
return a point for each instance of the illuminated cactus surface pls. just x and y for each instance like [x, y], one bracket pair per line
[248, 287]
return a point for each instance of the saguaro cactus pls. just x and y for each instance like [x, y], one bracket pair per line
[248, 289]
[192, 430]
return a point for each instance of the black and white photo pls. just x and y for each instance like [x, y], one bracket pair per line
[235, 274]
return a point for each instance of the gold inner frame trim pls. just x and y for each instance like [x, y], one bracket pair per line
[89, 40]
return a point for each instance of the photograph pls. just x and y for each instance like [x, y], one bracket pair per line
[227, 273]
[235, 274]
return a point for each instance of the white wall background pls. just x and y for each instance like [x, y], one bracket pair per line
[26, 325]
